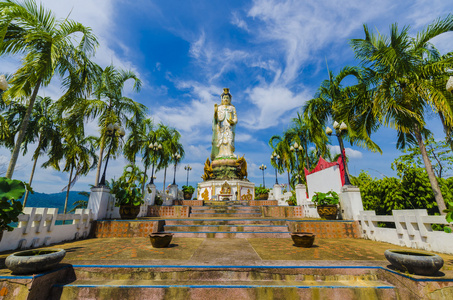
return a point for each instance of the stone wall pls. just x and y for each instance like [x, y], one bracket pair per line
[262, 202]
[283, 211]
[126, 228]
[328, 229]
[38, 227]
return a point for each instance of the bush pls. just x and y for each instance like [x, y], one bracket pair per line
[329, 198]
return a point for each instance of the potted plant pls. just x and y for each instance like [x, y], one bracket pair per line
[261, 193]
[127, 193]
[326, 204]
[292, 201]
[10, 207]
[188, 191]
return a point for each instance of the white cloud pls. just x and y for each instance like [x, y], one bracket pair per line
[351, 153]
[271, 103]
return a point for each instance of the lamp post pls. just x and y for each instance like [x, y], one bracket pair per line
[449, 86]
[275, 158]
[340, 129]
[155, 148]
[297, 148]
[188, 168]
[112, 130]
[3, 83]
[262, 168]
[176, 157]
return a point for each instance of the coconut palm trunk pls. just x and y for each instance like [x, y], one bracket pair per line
[22, 131]
[101, 153]
[165, 177]
[67, 192]
[30, 181]
[429, 170]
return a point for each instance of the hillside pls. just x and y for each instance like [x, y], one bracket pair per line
[53, 200]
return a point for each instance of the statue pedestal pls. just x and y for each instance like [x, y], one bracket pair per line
[173, 193]
[211, 189]
[277, 192]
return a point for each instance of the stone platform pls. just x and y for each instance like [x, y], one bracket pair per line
[201, 268]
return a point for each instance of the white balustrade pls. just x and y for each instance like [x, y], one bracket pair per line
[412, 229]
[37, 227]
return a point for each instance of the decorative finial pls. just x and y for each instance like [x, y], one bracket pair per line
[226, 90]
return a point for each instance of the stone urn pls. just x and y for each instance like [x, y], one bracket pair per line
[160, 239]
[414, 262]
[34, 261]
[187, 196]
[303, 239]
[129, 212]
[328, 212]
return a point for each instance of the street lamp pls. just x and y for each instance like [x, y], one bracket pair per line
[112, 131]
[262, 168]
[176, 157]
[188, 168]
[449, 86]
[275, 158]
[3, 83]
[297, 148]
[340, 129]
[155, 148]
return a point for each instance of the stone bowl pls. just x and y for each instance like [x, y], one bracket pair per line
[34, 261]
[303, 239]
[160, 239]
[414, 262]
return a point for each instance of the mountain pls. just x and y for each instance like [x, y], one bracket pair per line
[53, 200]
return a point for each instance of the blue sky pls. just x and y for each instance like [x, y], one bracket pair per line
[271, 54]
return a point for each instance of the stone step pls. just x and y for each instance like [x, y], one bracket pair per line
[225, 215]
[236, 207]
[226, 228]
[231, 235]
[223, 282]
[225, 222]
[225, 211]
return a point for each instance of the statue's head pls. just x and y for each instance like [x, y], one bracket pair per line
[226, 97]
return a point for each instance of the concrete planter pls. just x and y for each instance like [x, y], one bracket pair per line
[415, 262]
[303, 239]
[160, 239]
[129, 212]
[34, 261]
[328, 212]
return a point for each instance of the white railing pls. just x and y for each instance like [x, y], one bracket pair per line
[413, 229]
[37, 228]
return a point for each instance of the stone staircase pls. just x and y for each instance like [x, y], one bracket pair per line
[228, 228]
[227, 221]
[220, 211]
[223, 282]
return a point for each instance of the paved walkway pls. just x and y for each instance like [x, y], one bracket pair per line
[232, 252]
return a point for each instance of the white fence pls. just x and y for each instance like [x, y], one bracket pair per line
[413, 229]
[37, 228]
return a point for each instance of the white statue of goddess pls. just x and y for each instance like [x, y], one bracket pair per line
[223, 127]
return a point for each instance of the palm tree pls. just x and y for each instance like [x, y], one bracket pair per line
[110, 106]
[170, 145]
[77, 151]
[80, 204]
[281, 146]
[333, 102]
[47, 48]
[400, 75]
[43, 129]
